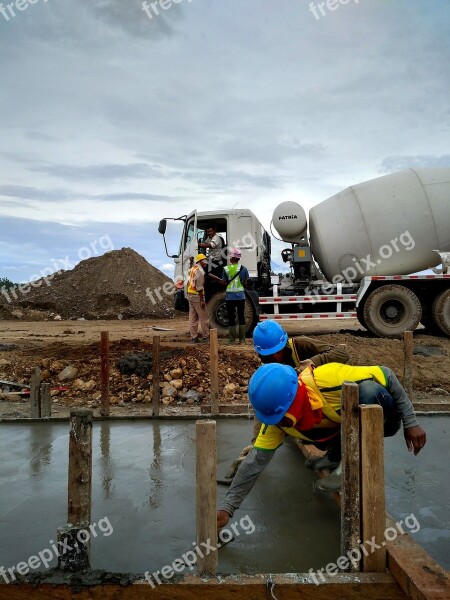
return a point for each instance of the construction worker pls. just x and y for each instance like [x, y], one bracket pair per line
[213, 244]
[196, 298]
[273, 345]
[307, 407]
[234, 278]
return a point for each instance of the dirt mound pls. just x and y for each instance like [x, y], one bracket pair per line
[114, 285]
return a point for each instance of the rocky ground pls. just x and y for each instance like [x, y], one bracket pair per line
[68, 355]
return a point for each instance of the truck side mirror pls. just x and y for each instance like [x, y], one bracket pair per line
[162, 226]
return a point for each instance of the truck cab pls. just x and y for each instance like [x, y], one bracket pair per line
[239, 229]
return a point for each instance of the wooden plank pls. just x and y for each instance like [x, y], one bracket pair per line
[214, 367]
[80, 467]
[363, 586]
[35, 397]
[206, 493]
[350, 495]
[46, 401]
[419, 576]
[408, 349]
[155, 370]
[104, 359]
[373, 503]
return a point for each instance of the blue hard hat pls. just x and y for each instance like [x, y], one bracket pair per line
[272, 390]
[269, 337]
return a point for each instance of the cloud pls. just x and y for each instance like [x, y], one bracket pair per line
[396, 163]
[102, 171]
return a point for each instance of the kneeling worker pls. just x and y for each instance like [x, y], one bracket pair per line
[307, 407]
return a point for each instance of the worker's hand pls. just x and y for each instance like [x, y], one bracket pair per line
[246, 450]
[202, 303]
[415, 438]
[304, 364]
[222, 519]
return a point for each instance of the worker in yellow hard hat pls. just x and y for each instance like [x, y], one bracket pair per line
[198, 315]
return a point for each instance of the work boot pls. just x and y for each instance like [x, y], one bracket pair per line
[320, 463]
[241, 334]
[332, 483]
[231, 334]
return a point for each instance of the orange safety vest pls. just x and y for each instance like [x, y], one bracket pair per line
[191, 285]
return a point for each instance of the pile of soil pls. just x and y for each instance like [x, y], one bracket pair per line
[116, 285]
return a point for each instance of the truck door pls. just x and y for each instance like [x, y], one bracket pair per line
[189, 246]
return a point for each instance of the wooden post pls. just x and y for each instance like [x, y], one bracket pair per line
[156, 388]
[46, 401]
[350, 509]
[408, 348]
[76, 533]
[214, 367]
[104, 349]
[35, 396]
[373, 504]
[206, 493]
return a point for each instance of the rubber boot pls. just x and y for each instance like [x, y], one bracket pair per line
[231, 334]
[241, 334]
[332, 483]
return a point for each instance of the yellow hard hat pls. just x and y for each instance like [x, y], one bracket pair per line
[200, 257]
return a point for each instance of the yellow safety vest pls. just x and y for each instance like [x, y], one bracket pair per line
[324, 385]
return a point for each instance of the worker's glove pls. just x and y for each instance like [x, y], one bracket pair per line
[237, 463]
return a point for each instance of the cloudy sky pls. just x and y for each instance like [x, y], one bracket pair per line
[112, 120]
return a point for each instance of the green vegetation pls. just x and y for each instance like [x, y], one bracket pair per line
[7, 283]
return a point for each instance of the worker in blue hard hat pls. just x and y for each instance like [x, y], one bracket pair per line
[273, 345]
[307, 407]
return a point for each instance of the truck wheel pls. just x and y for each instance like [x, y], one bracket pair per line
[360, 315]
[441, 312]
[218, 317]
[392, 309]
[428, 322]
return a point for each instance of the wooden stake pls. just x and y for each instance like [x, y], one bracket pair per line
[104, 403]
[80, 467]
[206, 493]
[156, 388]
[350, 509]
[75, 536]
[373, 504]
[35, 396]
[46, 401]
[214, 366]
[408, 349]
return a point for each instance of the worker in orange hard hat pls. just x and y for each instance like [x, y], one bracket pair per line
[198, 315]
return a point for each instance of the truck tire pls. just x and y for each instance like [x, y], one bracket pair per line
[218, 317]
[360, 315]
[441, 312]
[392, 309]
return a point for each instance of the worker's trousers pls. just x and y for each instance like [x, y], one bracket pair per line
[198, 315]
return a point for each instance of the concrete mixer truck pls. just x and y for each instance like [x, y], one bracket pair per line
[365, 256]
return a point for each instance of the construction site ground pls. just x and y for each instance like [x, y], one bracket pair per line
[55, 345]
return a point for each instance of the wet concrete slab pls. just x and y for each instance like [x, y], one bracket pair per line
[144, 484]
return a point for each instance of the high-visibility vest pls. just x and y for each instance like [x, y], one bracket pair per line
[236, 284]
[324, 386]
[191, 285]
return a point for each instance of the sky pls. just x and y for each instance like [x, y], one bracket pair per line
[113, 117]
